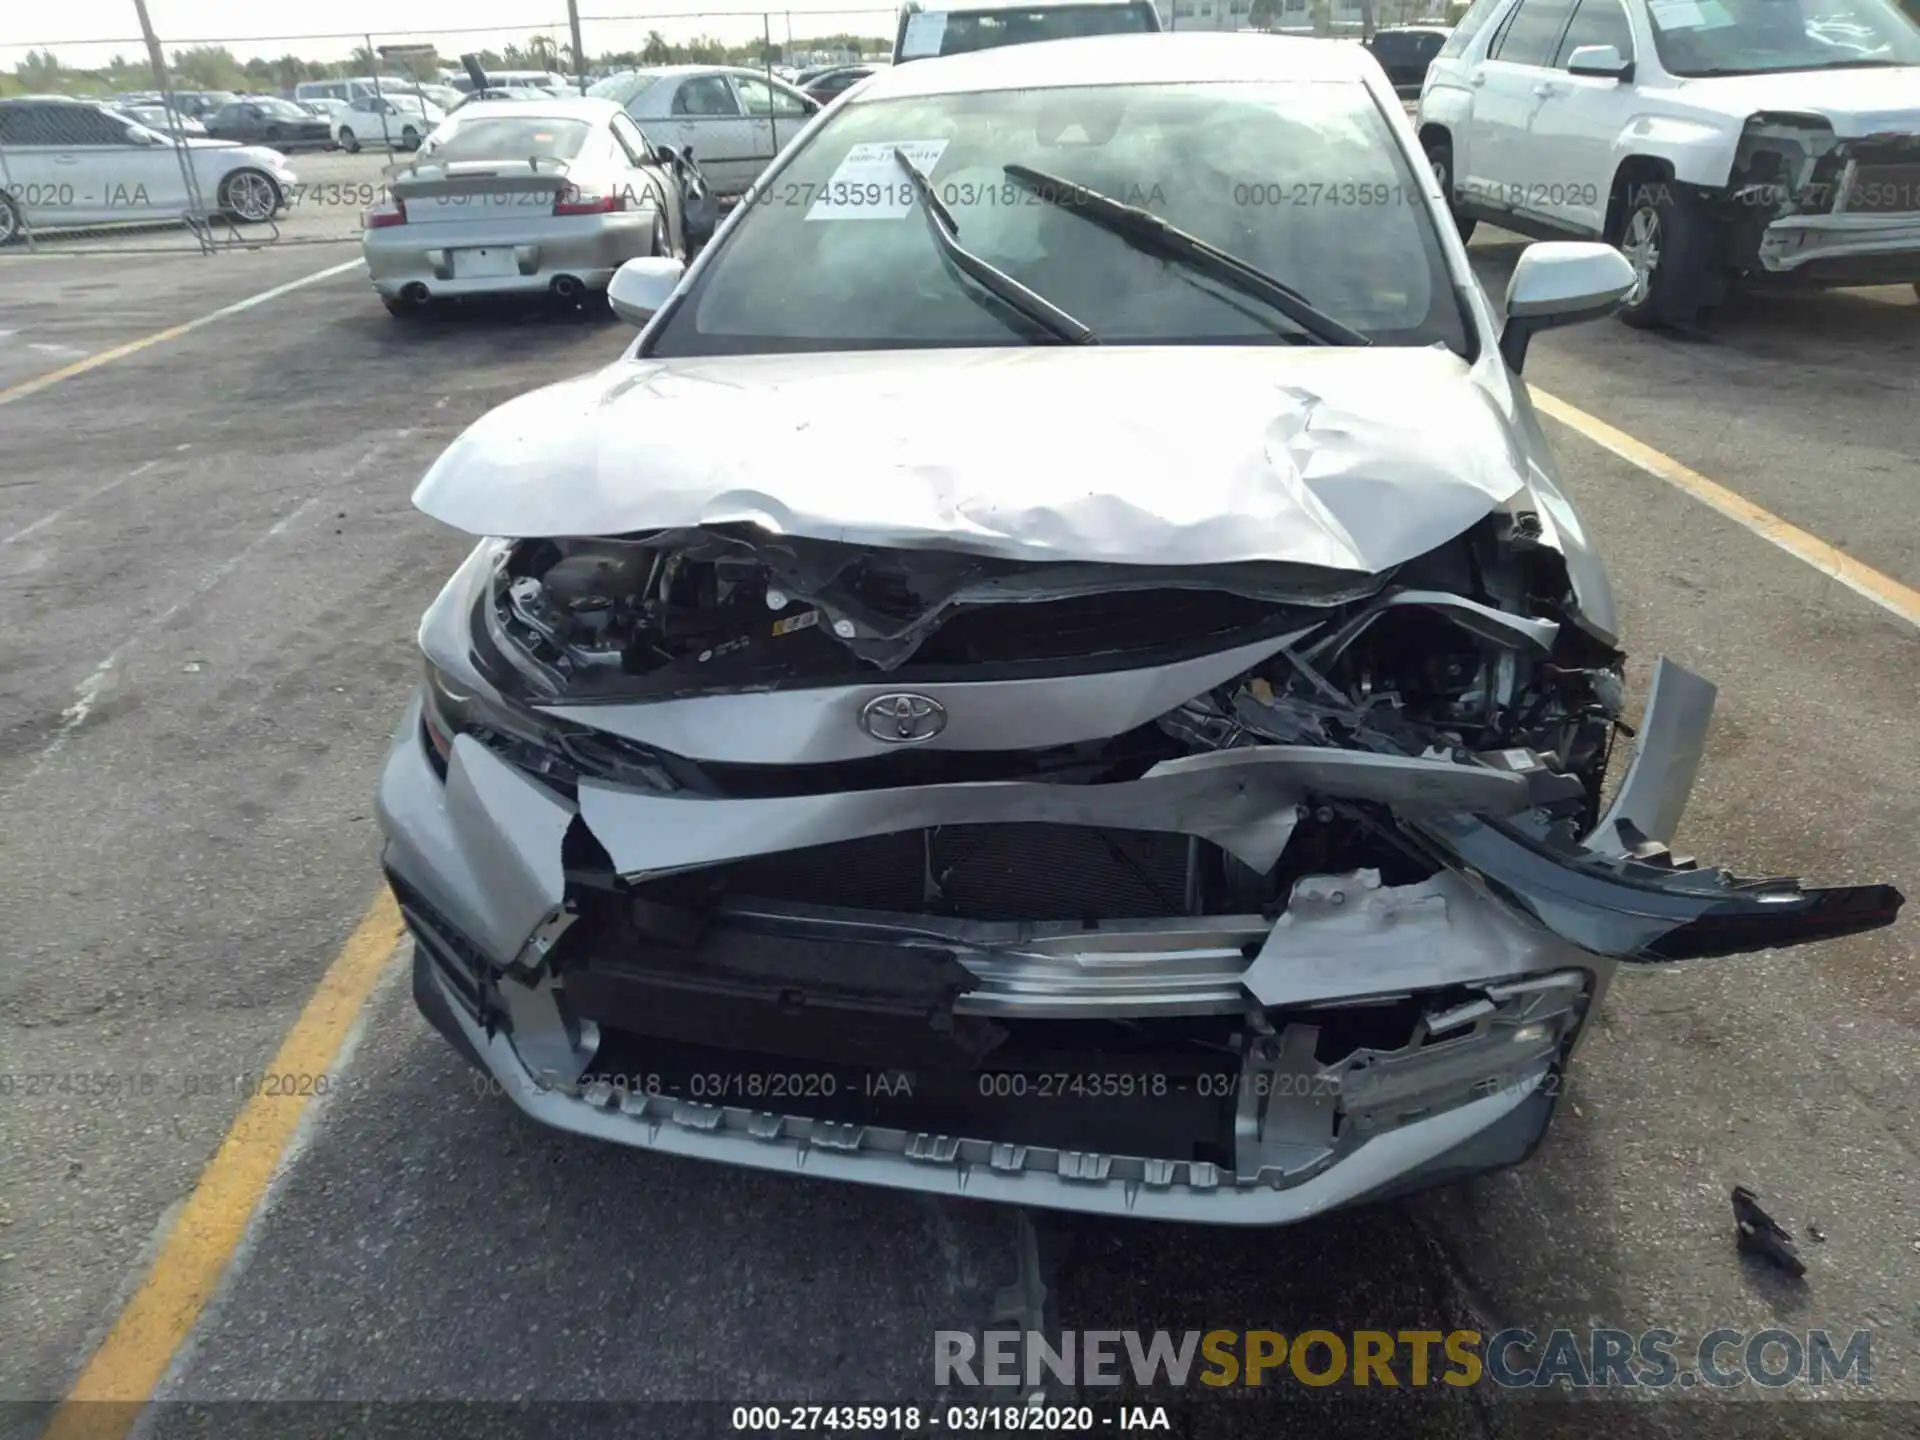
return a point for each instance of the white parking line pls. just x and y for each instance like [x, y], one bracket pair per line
[87, 693]
[94, 494]
[173, 332]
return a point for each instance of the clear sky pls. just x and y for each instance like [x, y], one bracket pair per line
[74, 29]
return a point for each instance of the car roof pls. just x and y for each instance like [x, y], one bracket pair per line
[1413, 30]
[571, 107]
[1167, 58]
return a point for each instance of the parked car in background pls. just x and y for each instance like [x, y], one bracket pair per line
[268, 120]
[164, 121]
[500, 92]
[199, 104]
[1405, 52]
[392, 122]
[827, 86]
[733, 121]
[957, 27]
[549, 80]
[1715, 142]
[818, 699]
[76, 163]
[523, 197]
[326, 108]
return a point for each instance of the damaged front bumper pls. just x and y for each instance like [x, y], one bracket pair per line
[1366, 1037]
[1844, 249]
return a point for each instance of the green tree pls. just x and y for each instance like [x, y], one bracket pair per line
[207, 67]
[657, 51]
[40, 71]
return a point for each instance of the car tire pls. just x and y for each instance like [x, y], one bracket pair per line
[409, 139]
[1667, 239]
[250, 196]
[1440, 157]
[12, 229]
[349, 142]
[400, 309]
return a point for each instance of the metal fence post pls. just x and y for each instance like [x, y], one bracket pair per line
[579, 49]
[199, 218]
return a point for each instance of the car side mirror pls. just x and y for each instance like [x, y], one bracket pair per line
[1561, 282]
[641, 287]
[1602, 62]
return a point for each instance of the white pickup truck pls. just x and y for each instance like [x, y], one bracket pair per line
[1768, 141]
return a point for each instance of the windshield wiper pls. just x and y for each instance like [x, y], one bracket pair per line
[1146, 231]
[1009, 291]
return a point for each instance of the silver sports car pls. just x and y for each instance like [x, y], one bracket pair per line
[522, 197]
[1056, 670]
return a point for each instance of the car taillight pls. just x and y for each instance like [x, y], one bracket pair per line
[388, 212]
[574, 201]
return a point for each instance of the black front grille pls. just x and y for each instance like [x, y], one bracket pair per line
[982, 872]
[1889, 189]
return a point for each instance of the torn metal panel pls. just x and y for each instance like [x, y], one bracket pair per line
[511, 827]
[484, 851]
[1242, 800]
[1279, 455]
[1667, 751]
[820, 724]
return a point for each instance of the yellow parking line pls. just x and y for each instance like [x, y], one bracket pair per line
[123, 1373]
[159, 337]
[1883, 590]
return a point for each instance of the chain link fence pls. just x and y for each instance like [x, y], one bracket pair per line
[210, 144]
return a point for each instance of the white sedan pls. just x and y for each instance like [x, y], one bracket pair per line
[732, 121]
[73, 163]
[390, 122]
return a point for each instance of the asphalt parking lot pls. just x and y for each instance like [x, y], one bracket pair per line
[213, 574]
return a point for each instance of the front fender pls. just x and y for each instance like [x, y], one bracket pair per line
[1698, 152]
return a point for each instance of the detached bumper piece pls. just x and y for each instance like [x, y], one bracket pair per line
[1621, 891]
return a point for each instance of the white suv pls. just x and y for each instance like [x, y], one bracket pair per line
[1777, 140]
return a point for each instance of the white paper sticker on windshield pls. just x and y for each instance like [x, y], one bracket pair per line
[870, 185]
[1677, 14]
[924, 34]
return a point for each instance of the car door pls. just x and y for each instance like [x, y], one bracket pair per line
[29, 139]
[1510, 86]
[647, 181]
[1579, 122]
[104, 175]
[778, 115]
[705, 115]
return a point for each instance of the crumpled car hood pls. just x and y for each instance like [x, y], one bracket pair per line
[1349, 459]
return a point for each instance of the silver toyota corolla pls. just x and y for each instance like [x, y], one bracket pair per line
[1055, 670]
[522, 197]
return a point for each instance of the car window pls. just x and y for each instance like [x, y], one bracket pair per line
[1754, 37]
[760, 98]
[516, 137]
[1470, 25]
[858, 268]
[1596, 22]
[705, 95]
[633, 140]
[1533, 34]
[34, 125]
[621, 89]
